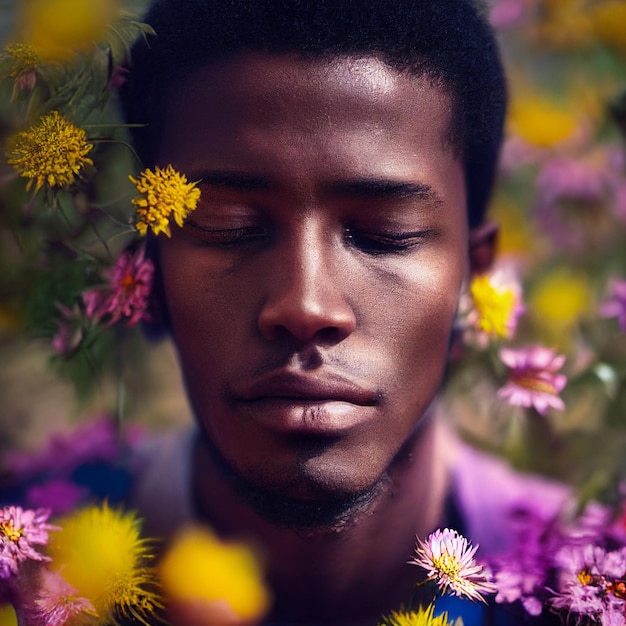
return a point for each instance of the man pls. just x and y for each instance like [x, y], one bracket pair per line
[345, 152]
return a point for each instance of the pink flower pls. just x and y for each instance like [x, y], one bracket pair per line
[448, 559]
[70, 331]
[615, 306]
[20, 530]
[533, 379]
[127, 294]
[508, 13]
[57, 601]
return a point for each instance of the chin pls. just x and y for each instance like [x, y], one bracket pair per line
[317, 494]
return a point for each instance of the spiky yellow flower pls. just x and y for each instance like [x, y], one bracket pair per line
[224, 578]
[51, 152]
[421, 617]
[165, 194]
[23, 58]
[102, 556]
[497, 304]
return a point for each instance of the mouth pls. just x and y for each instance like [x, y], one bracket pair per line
[293, 403]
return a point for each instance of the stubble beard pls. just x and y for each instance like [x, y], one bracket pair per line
[333, 512]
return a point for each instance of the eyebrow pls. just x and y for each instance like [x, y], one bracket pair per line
[366, 188]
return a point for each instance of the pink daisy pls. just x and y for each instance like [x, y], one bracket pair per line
[127, 294]
[20, 530]
[533, 378]
[448, 559]
[57, 601]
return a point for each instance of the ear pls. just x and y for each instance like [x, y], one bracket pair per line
[483, 242]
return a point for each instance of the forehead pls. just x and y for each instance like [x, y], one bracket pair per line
[315, 95]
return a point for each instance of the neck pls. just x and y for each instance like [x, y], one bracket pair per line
[356, 569]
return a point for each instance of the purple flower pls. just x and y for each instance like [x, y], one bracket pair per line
[60, 496]
[533, 378]
[127, 294]
[615, 306]
[20, 531]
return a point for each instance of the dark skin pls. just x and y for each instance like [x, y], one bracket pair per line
[312, 296]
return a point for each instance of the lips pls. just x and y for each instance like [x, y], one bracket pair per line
[289, 402]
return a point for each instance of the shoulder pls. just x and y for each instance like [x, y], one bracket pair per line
[490, 496]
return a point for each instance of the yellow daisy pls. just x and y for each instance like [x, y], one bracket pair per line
[51, 152]
[165, 193]
[421, 617]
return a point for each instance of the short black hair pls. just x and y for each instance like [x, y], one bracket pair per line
[449, 41]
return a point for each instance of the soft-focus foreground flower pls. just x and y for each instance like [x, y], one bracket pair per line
[497, 302]
[448, 559]
[534, 380]
[615, 306]
[165, 194]
[57, 602]
[201, 575]
[101, 555]
[421, 617]
[592, 583]
[57, 29]
[52, 152]
[20, 531]
[127, 295]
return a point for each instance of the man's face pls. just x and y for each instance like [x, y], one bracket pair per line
[313, 291]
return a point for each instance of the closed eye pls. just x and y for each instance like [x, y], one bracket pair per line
[385, 242]
[225, 237]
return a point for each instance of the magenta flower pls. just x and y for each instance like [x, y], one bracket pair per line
[127, 294]
[615, 306]
[533, 378]
[20, 530]
[70, 330]
[57, 601]
[448, 559]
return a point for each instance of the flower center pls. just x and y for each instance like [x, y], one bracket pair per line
[128, 281]
[530, 380]
[447, 565]
[10, 532]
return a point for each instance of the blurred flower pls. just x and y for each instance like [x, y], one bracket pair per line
[21, 530]
[615, 306]
[58, 495]
[128, 293]
[22, 61]
[558, 300]
[508, 13]
[57, 29]
[497, 303]
[563, 24]
[608, 19]
[421, 617]
[57, 602]
[533, 378]
[7, 615]
[165, 194]
[541, 122]
[101, 555]
[224, 578]
[53, 151]
[70, 330]
[591, 581]
[448, 559]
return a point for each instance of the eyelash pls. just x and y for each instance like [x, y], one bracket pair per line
[369, 243]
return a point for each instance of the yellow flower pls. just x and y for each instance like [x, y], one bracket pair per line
[165, 194]
[59, 28]
[199, 568]
[102, 556]
[541, 122]
[23, 57]
[558, 301]
[7, 615]
[608, 19]
[497, 304]
[421, 617]
[52, 152]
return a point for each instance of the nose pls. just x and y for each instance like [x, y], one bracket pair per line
[306, 297]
